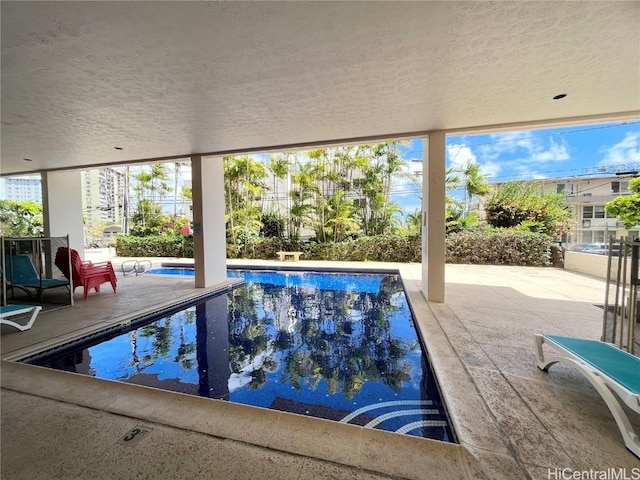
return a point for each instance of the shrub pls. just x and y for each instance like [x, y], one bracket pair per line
[20, 219]
[499, 247]
[272, 225]
[495, 246]
[515, 204]
[154, 246]
[380, 248]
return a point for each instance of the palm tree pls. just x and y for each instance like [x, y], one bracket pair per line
[177, 166]
[243, 178]
[414, 222]
[341, 213]
[451, 179]
[186, 194]
[279, 166]
[158, 177]
[302, 194]
[474, 184]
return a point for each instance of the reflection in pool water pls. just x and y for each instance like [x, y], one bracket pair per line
[336, 346]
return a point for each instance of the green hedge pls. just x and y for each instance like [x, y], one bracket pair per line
[263, 248]
[499, 247]
[382, 248]
[154, 246]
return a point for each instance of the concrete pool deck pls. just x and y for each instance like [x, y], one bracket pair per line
[513, 421]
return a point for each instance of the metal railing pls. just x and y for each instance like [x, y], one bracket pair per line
[621, 315]
[27, 265]
[139, 267]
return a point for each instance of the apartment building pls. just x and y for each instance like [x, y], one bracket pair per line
[588, 196]
[103, 196]
[23, 188]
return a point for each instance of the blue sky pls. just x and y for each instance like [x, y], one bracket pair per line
[596, 149]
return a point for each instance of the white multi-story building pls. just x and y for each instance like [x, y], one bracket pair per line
[588, 196]
[103, 196]
[23, 188]
[102, 199]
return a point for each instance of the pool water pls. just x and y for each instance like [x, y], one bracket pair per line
[336, 346]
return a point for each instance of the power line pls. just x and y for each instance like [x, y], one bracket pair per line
[612, 166]
[601, 127]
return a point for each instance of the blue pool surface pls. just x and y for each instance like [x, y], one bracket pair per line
[336, 346]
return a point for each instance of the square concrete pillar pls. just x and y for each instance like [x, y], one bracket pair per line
[433, 216]
[209, 238]
[62, 207]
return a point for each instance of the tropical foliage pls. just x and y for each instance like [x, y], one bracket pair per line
[336, 204]
[20, 219]
[529, 207]
[334, 194]
[627, 208]
[499, 247]
[150, 187]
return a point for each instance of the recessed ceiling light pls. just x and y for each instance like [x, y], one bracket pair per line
[560, 96]
[27, 160]
[118, 148]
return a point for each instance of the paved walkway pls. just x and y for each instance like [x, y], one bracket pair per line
[512, 420]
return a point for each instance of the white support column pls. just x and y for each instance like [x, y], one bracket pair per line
[433, 216]
[209, 238]
[62, 207]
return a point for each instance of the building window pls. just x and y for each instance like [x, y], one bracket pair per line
[597, 211]
[593, 236]
[566, 188]
[619, 187]
[615, 187]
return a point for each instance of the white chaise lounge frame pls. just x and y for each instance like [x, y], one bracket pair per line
[14, 310]
[604, 383]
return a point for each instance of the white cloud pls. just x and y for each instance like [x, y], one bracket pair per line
[459, 156]
[490, 169]
[259, 157]
[519, 152]
[527, 172]
[508, 142]
[625, 151]
[525, 147]
[555, 152]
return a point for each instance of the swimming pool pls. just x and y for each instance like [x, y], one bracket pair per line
[336, 346]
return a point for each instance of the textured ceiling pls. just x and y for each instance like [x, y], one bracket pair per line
[174, 78]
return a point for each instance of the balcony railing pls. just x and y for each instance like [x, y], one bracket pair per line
[580, 199]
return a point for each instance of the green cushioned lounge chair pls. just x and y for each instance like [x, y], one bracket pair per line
[20, 273]
[609, 369]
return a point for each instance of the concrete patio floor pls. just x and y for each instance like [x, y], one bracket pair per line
[513, 421]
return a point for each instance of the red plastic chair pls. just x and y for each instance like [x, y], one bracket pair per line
[85, 273]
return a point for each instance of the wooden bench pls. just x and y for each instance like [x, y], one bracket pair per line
[607, 368]
[295, 255]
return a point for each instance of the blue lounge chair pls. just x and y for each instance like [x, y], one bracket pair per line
[609, 369]
[20, 273]
[14, 310]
